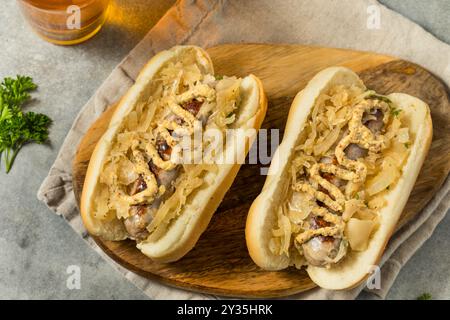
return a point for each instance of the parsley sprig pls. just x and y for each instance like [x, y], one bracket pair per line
[18, 128]
[424, 296]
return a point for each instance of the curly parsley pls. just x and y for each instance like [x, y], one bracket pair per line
[18, 128]
[424, 296]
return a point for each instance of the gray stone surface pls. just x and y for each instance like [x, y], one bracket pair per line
[36, 246]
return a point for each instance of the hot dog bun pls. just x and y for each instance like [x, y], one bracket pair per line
[184, 231]
[262, 219]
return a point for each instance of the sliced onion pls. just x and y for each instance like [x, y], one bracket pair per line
[127, 172]
[300, 207]
[365, 214]
[403, 135]
[398, 152]
[387, 176]
[191, 74]
[377, 203]
[329, 140]
[393, 129]
[351, 206]
[358, 233]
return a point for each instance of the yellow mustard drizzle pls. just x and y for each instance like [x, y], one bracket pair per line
[354, 171]
[142, 169]
[162, 129]
[338, 226]
[361, 135]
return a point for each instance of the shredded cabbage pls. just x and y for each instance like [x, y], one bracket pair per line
[131, 149]
[191, 180]
[378, 170]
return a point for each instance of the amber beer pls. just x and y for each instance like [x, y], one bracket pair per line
[65, 22]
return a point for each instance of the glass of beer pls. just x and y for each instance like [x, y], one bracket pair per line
[65, 22]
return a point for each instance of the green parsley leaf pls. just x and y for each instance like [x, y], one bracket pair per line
[424, 296]
[380, 97]
[14, 92]
[16, 127]
[394, 111]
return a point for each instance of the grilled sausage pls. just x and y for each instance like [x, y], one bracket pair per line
[193, 106]
[137, 186]
[141, 214]
[375, 125]
[321, 250]
[136, 224]
[163, 148]
[163, 177]
[354, 151]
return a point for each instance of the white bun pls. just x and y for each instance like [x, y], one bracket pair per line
[182, 235]
[262, 214]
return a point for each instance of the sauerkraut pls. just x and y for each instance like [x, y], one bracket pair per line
[351, 152]
[139, 169]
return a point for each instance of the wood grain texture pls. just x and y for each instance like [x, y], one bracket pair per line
[219, 263]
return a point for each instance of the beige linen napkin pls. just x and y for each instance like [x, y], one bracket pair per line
[351, 24]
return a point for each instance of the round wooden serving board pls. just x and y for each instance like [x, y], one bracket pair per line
[219, 263]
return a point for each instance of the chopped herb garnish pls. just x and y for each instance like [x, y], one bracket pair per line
[394, 111]
[407, 145]
[380, 97]
[218, 77]
[424, 296]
